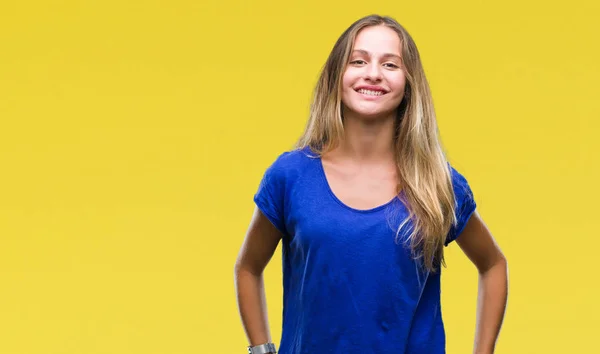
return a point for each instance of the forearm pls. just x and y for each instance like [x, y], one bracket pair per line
[491, 305]
[252, 306]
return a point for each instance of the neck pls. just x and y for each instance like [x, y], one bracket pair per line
[368, 140]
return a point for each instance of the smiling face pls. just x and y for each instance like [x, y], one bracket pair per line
[373, 81]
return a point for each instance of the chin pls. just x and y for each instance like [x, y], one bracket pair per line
[371, 113]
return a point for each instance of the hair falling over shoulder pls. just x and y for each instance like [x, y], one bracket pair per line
[424, 176]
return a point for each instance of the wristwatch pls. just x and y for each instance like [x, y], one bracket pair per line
[262, 349]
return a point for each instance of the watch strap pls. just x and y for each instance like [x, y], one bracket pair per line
[262, 349]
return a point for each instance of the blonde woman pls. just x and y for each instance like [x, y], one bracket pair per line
[364, 206]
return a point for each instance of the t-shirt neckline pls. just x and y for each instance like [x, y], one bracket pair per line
[323, 176]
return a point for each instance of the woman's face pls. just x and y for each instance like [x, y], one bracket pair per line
[374, 80]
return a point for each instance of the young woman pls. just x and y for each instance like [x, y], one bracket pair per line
[364, 206]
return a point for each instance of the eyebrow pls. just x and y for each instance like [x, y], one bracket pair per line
[385, 55]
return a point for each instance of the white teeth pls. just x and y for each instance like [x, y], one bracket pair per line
[369, 92]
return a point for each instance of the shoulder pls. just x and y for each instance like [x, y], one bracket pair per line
[291, 158]
[460, 183]
[290, 163]
[465, 203]
[278, 182]
[462, 190]
[463, 194]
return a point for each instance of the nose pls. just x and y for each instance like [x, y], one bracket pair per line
[373, 72]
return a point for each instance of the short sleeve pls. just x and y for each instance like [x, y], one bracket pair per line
[270, 196]
[464, 204]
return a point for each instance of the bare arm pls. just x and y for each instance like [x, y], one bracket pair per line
[256, 252]
[478, 244]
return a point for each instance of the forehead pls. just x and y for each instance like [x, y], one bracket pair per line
[378, 39]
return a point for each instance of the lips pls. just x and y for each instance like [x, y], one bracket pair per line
[371, 90]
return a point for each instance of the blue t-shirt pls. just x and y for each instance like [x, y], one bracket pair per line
[349, 285]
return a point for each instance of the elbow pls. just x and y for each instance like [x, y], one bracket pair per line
[497, 264]
[501, 265]
[241, 268]
[502, 262]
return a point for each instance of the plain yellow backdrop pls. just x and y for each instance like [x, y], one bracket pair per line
[133, 135]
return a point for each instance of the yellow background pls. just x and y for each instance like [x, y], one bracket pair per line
[134, 134]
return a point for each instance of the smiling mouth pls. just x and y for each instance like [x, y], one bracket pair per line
[370, 92]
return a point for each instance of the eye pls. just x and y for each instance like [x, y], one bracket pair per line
[391, 65]
[358, 62]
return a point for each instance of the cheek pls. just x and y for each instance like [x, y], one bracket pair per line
[347, 83]
[398, 81]
[398, 84]
[347, 80]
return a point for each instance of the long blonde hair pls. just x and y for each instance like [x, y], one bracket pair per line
[424, 177]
